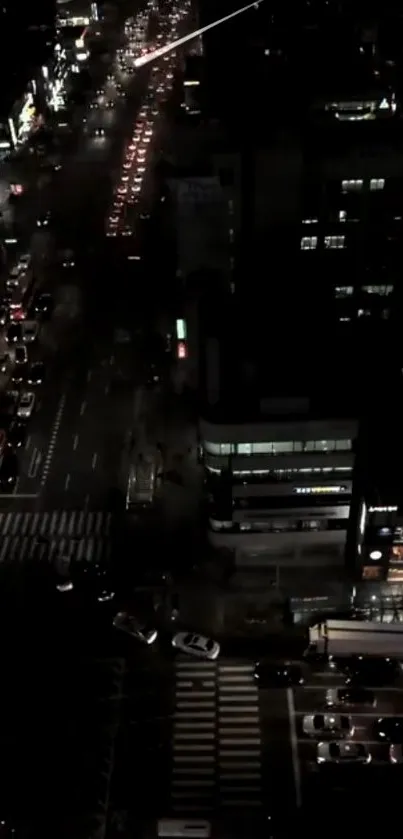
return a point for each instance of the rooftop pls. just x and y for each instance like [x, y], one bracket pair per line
[272, 355]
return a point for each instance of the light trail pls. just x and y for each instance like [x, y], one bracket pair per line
[158, 53]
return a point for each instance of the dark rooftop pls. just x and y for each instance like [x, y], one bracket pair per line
[274, 351]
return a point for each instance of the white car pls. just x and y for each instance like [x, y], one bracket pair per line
[322, 725]
[197, 645]
[128, 623]
[343, 752]
[26, 404]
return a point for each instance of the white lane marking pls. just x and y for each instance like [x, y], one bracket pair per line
[75, 442]
[294, 747]
[94, 460]
[28, 442]
[53, 438]
[35, 464]
[83, 407]
[87, 500]
[67, 481]
[16, 487]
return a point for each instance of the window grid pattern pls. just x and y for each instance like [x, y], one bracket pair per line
[280, 447]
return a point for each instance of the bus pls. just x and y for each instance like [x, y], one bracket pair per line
[338, 638]
[142, 482]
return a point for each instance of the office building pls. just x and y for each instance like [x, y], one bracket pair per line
[278, 438]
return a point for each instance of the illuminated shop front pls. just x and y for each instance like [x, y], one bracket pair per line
[380, 543]
[24, 118]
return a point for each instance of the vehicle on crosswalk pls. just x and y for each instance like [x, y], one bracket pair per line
[283, 674]
[137, 629]
[328, 725]
[196, 645]
[344, 752]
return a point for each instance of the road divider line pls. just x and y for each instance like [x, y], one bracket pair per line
[67, 481]
[53, 438]
[94, 460]
[83, 407]
[75, 442]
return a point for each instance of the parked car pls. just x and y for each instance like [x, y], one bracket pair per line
[343, 752]
[323, 725]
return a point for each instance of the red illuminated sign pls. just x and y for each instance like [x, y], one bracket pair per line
[182, 350]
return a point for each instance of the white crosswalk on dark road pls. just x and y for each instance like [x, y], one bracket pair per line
[216, 738]
[239, 738]
[77, 534]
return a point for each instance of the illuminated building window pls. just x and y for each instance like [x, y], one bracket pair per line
[354, 185]
[342, 215]
[343, 291]
[335, 242]
[309, 243]
[380, 290]
[376, 183]
[309, 221]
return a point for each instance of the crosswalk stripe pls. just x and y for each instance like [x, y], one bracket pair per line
[68, 533]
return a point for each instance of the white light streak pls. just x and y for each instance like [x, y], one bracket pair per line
[158, 53]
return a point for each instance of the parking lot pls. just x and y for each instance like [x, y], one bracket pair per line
[308, 775]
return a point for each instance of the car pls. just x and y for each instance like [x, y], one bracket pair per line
[29, 331]
[350, 696]
[140, 631]
[24, 261]
[371, 671]
[20, 355]
[36, 373]
[197, 645]
[18, 374]
[8, 471]
[4, 360]
[343, 752]
[14, 333]
[91, 580]
[396, 753]
[3, 315]
[43, 304]
[17, 434]
[99, 132]
[43, 221]
[389, 729]
[270, 674]
[68, 260]
[26, 404]
[13, 278]
[331, 725]
[94, 106]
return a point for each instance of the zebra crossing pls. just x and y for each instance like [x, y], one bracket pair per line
[75, 534]
[216, 762]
